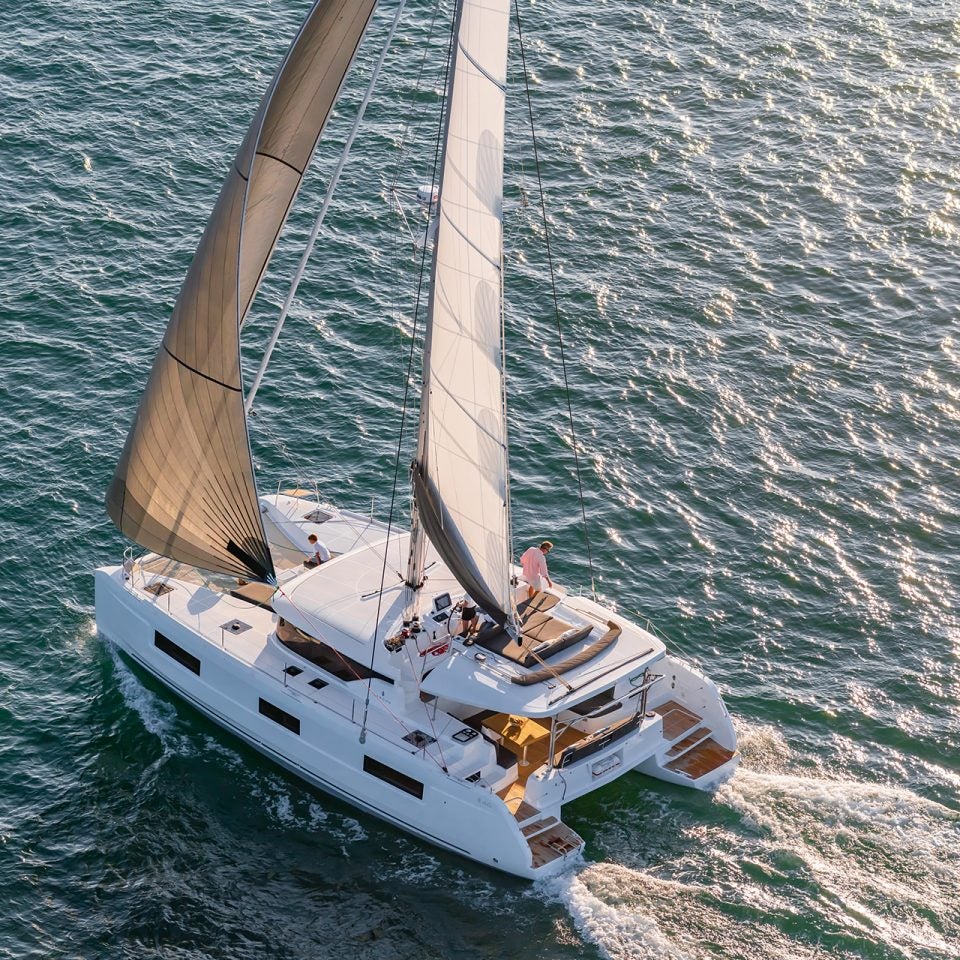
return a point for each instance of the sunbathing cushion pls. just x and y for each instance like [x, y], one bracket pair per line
[571, 663]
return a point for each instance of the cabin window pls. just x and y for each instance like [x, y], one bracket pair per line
[277, 715]
[323, 655]
[176, 652]
[595, 703]
[393, 777]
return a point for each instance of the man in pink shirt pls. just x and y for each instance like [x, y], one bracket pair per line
[534, 563]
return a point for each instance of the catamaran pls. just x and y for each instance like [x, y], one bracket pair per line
[359, 674]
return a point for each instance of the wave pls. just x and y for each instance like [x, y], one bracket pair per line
[777, 864]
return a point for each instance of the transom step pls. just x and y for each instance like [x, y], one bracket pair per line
[690, 740]
[538, 827]
[557, 841]
[677, 719]
[701, 759]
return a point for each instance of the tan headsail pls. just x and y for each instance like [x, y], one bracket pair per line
[184, 486]
[461, 475]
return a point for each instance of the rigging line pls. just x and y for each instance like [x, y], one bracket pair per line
[556, 302]
[426, 708]
[318, 223]
[409, 372]
[416, 90]
[541, 661]
[346, 663]
[359, 532]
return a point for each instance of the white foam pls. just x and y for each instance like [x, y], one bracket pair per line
[762, 746]
[839, 804]
[601, 900]
[158, 717]
[874, 862]
[882, 856]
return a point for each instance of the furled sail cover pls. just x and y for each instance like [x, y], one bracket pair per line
[184, 486]
[460, 479]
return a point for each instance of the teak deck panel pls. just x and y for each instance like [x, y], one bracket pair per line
[688, 741]
[701, 759]
[677, 719]
[553, 844]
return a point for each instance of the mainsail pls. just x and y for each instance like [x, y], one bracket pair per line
[460, 475]
[184, 486]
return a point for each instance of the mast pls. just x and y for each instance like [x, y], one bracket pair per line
[460, 476]
[418, 537]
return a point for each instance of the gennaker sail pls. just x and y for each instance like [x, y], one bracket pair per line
[185, 486]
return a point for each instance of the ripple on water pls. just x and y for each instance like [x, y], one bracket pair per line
[753, 213]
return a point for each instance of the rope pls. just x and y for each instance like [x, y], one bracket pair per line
[406, 389]
[284, 452]
[413, 96]
[556, 302]
[426, 709]
[325, 206]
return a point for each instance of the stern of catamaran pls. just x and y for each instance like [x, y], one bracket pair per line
[573, 698]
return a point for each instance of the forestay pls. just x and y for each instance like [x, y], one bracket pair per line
[184, 486]
[461, 479]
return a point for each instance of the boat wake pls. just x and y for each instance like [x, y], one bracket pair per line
[605, 903]
[874, 862]
[158, 716]
[284, 805]
[865, 866]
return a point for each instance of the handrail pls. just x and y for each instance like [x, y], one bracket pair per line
[649, 680]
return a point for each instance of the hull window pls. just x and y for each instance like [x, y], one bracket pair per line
[323, 655]
[277, 715]
[393, 777]
[176, 652]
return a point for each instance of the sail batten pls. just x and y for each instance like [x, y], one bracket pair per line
[460, 477]
[185, 485]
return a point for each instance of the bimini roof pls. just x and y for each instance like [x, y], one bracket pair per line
[338, 602]
[477, 676]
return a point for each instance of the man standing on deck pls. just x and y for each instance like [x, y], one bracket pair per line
[534, 563]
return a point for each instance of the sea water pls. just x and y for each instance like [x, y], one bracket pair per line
[753, 215]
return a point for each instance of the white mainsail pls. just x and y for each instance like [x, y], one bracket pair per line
[461, 475]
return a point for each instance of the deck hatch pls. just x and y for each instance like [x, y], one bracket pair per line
[274, 713]
[176, 652]
[419, 739]
[323, 655]
[158, 588]
[394, 777]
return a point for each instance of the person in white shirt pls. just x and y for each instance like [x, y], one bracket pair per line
[534, 563]
[318, 552]
[469, 617]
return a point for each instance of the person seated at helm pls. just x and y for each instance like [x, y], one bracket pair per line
[318, 552]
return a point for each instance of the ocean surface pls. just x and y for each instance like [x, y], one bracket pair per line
[755, 217]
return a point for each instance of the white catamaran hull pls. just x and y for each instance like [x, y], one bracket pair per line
[327, 752]
[334, 644]
[221, 654]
